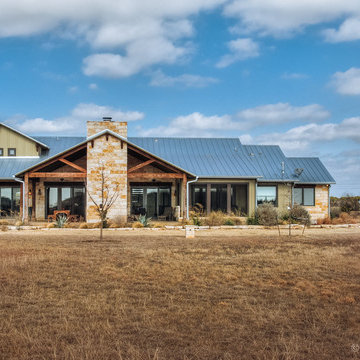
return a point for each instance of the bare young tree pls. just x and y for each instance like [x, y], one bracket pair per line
[108, 196]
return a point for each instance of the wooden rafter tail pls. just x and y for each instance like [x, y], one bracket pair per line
[77, 167]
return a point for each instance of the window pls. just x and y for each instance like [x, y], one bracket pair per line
[304, 196]
[1, 152]
[11, 152]
[9, 200]
[266, 195]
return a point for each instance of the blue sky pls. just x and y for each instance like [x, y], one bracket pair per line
[266, 71]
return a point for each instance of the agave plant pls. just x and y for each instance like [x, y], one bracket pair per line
[144, 220]
[61, 220]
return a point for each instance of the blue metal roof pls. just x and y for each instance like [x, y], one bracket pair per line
[205, 157]
[314, 171]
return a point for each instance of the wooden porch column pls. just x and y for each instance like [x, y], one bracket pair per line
[26, 194]
[185, 195]
[208, 198]
[228, 198]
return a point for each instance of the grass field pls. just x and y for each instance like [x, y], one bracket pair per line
[156, 295]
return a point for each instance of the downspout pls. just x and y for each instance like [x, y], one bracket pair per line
[329, 209]
[187, 195]
[23, 196]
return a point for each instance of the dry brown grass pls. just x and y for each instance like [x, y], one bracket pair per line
[156, 295]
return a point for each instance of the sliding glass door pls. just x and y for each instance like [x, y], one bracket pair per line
[65, 197]
[150, 200]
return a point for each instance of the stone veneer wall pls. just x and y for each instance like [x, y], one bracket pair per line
[284, 197]
[321, 208]
[108, 153]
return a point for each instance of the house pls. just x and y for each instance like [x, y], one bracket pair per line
[41, 174]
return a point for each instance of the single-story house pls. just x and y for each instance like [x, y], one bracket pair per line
[42, 174]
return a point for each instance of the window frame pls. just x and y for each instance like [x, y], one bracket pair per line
[276, 194]
[1, 151]
[302, 187]
[9, 149]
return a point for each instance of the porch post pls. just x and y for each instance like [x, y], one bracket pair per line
[26, 194]
[228, 198]
[184, 197]
[208, 198]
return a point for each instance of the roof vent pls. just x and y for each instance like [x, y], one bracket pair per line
[251, 154]
[298, 171]
[107, 118]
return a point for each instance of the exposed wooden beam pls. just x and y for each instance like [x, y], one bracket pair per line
[55, 174]
[77, 167]
[148, 156]
[57, 158]
[139, 166]
[155, 175]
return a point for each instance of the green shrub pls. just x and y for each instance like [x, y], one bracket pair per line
[229, 222]
[61, 220]
[267, 214]
[349, 203]
[253, 220]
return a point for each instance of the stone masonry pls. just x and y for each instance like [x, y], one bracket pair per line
[108, 154]
[321, 208]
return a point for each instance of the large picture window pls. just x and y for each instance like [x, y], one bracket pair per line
[219, 197]
[9, 200]
[304, 196]
[266, 195]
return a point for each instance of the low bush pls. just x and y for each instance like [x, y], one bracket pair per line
[267, 215]
[215, 218]
[51, 226]
[4, 228]
[137, 225]
[299, 214]
[344, 218]
[253, 220]
[83, 226]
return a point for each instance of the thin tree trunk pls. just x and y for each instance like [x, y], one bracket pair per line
[101, 230]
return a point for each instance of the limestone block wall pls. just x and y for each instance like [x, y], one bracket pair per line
[40, 200]
[321, 208]
[94, 127]
[107, 154]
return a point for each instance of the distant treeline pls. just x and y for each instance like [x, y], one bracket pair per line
[347, 203]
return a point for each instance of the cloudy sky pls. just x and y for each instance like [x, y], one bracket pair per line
[266, 71]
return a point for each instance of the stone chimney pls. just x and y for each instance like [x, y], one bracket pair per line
[118, 127]
[108, 154]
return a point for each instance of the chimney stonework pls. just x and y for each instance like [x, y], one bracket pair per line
[109, 154]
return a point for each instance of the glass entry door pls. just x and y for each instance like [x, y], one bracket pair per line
[150, 200]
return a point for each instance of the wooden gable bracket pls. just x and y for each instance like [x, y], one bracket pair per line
[139, 166]
[107, 137]
[122, 144]
[77, 167]
[92, 143]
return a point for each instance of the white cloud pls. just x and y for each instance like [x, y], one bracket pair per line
[284, 18]
[73, 89]
[349, 30]
[75, 122]
[158, 78]
[93, 86]
[200, 125]
[302, 137]
[348, 82]
[127, 36]
[240, 49]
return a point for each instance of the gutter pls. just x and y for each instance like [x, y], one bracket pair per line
[23, 196]
[187, 195]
